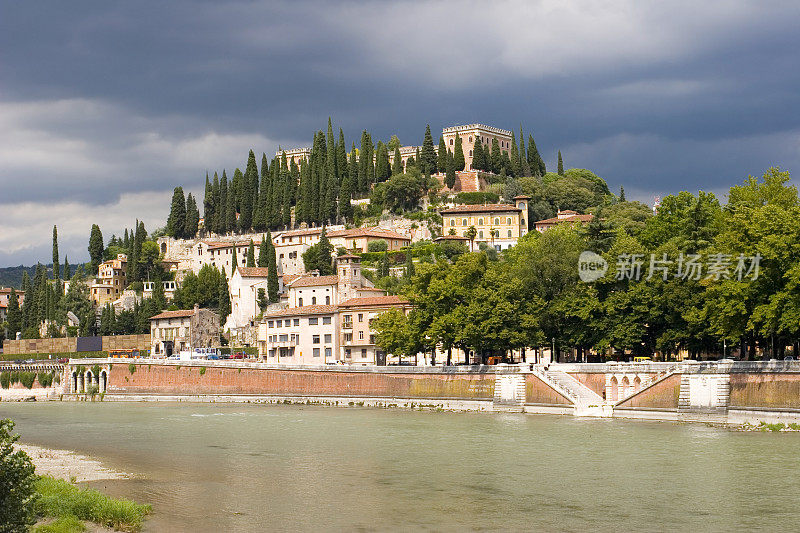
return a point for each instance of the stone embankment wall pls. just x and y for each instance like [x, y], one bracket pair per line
[70, 344]
[538, 392]
[765, 390]
[217, 378]
[661, 395]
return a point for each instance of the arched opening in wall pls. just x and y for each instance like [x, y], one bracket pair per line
[168, 347]
[163, 247]
[74, 382]
[637, 384]
[614, 389]
[103, 381]
[87, 380]
[626, 387]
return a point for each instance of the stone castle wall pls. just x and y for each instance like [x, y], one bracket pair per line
[69, 344]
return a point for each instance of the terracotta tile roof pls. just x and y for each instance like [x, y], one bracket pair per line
[375, 300]
[315, 281]
[288, 278]
[484, 208]
[253, 272]
[300, 232]
[556, 220]
[3, 304]
[181, 313]
[369, 232]
[304, 310]
[7, 290]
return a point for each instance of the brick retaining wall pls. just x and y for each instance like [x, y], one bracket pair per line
[179, 379]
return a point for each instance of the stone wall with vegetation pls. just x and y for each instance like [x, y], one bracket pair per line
[766, 390]
[662, 395]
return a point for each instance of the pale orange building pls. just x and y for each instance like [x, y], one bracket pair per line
[499, 225]
[111, 280]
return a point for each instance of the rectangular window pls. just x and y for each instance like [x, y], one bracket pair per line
[283, 337]
[326, 320]
[315, 339]
[348, 337]
[316, 352]
[313, 321]
[363, 353]
[296, 321]
[361, 335]
[328, 338]
[328, 352]
[361, 317]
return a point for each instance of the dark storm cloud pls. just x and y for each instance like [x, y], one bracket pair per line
[104, 101]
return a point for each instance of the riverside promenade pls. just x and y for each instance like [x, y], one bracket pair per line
[722, 392]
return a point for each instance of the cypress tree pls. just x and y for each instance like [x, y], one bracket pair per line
[459, 161]
[192, 218]
[428, 154]
[289, 193]
[478, 158]
[251, 255]
[382, 168]
[13, 316]
[441, 156]
[208, 205]
[496, 162]
[222, 211]
[234, 261]
[301, 213]
[560, 164]
[243, 200]
[341, 158]
[409, 264]
[354, 169]
[516, 167]
[535, 159]
[56, 267]
[397, 163]
[263, 258]
[622, 194]
[450, 176]
[212, 224]
[325, 248]
[230, 209]
[67, 270]
[317, 175]
[272, 274]
[275, 192]
[331, 191]
[384, 268]
[95, 248]
[224, 298]
[523, 159]
[176, 223]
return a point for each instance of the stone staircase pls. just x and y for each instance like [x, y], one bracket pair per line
[509, 393]
[586, 401]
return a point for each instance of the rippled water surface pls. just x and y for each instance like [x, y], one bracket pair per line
[233, 467]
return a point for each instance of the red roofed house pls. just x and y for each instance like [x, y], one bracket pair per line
[172, 332]
[308, 330]
[499, 225]
[563, 217]
[356, 333]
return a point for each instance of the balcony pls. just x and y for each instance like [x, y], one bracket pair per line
[347, 325]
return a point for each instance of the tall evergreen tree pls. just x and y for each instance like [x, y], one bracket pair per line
[535, 159]
[382, 167]
[289, 193]
[409, 264]
[208, 205]
[67, 270]
[95, 248]
[441, 156]
[622, 194]
[192, 218]
[248, 193]
[516, 167]
[230, 208]
[224, 298]
[560, 164]
[273, 288]
[496, 157]
[234, 261]
[341, 158]
[459, 161]
[222, 211]
[428, 154]
[523, 158]
[251, 255]
[450, 176]
[397, 162]
[176, 223]
[354, 167]
[56, 266]
[13, 315]
[212, 224]
[263, 256]
[478, 157]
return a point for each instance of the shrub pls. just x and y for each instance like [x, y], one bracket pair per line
[475, 198]
[27, 379]
[17, 478]
[132, 368]
[5, 379]
[378, 246]
[202, 370]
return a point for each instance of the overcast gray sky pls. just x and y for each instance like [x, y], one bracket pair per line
[106, 106]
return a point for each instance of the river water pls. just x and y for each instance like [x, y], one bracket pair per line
[237, 467]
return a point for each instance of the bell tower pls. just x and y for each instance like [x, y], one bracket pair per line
[348, 268]
[522, 202]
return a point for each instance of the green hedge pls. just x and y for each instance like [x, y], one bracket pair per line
[56, 355]
[476, 198]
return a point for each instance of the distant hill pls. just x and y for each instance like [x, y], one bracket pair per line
[12, 276]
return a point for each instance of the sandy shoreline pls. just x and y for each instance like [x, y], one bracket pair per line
[66, 464]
